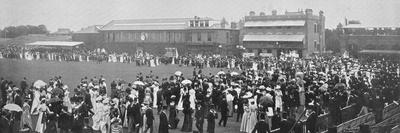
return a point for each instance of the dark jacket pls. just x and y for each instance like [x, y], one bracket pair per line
[261, 127]
[163, 123]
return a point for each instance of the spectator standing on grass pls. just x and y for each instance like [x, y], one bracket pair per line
[199, 115]
[212, 115]
[224, 112]
[187, 110]
[163, 128]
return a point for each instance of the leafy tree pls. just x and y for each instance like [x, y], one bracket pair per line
[12, 31]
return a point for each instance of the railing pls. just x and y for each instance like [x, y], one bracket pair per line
[348, 113]
[366, 119]
[390, 110]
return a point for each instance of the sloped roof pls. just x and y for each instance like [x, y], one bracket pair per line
[354, 26]
[55, 43]
[90, 29]
[380, 51]
[148, 24]
[274, 23]
[274, 38]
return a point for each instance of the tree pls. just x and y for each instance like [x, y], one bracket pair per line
[12, 31]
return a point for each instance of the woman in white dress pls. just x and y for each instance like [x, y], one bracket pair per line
[155, 90]
[245, 118]
[252, 120]
[192, 98]
[41, 110]
[278, 97]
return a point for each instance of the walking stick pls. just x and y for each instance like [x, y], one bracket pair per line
[302, 114]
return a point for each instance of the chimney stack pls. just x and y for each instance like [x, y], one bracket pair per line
[274, 12]
[309, 12]
[252, 13]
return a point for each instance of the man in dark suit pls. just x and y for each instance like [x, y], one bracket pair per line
[134, 116]
[23, 85]
[224, 112]
[311, 120]
[163, 128]
[261, 125]
[150, 118]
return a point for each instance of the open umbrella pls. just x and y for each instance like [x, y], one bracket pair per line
[178, 73]
[234, 73]
[13, 107]
[138, 83]
[186, 82]
[39, 84]
[220, 73]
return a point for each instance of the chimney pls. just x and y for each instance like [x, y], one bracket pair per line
[321, 13]
[233, 25]
[309, 12]
[274, 12]
[252, 13]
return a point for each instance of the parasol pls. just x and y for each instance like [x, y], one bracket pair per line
[220, 73]
[138, 83]
[13, 107]
[234, 73]
[39, 84]
[248, 95]
[178, 73]
[186, 82]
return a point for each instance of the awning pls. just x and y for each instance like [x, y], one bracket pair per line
[380, 51]
[54, 43]
[274, 23]
[274, 38]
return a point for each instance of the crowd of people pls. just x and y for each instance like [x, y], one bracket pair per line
[264, 95]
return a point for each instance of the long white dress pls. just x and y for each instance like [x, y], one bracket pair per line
[41, 126]
[245, 119]
[252, 120]
[155, 90]
[192, 98]
[36, 101]
[278, 99]
[180, 103]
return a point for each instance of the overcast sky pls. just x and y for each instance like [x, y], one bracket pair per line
[75, 14]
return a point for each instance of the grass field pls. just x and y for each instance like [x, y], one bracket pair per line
[72, 72]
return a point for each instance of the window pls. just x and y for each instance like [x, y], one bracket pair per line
[113, 36]
[191, 24]
[201, 23]
[196, 23]
[227, 36]
[206, 24]
[269, 51]
[315, 28]
[199, 36]
[209, 36]
[316, 45]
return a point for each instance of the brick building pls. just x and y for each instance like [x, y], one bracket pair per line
[356, 37]
[90, 35]
[270, 35]
[188, 35]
